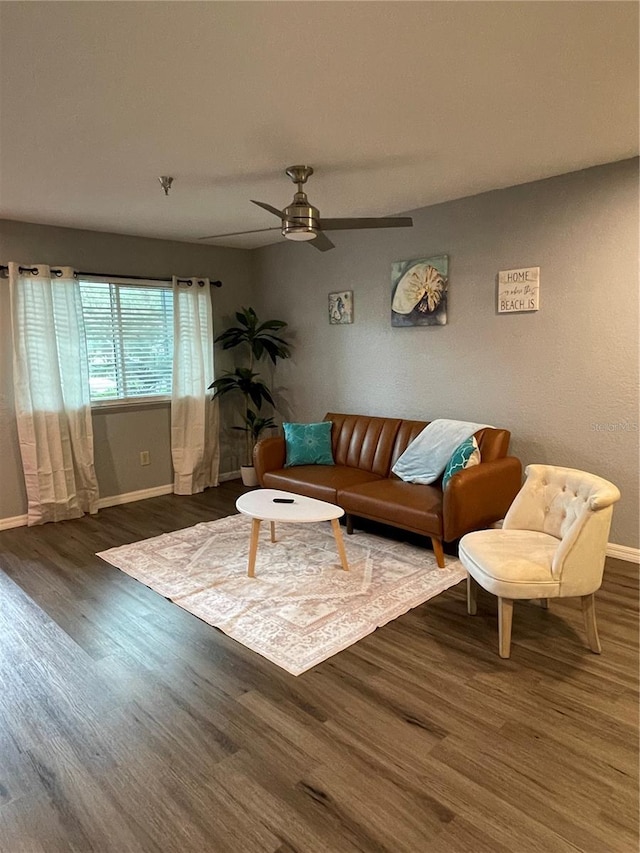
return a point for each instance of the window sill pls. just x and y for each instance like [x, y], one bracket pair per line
[130, 404]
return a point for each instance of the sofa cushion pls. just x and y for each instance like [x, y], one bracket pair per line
[363, 442]
[317, 481]
[408, 505]
[308, 444]
[466, 455]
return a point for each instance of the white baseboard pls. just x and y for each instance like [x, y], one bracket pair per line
[15, 521]
[116, 500]
[110, 500]
[623, 552]
[140, 495]
[154, 492]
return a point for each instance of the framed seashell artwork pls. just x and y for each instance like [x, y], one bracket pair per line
[341, 307]
[419, 291]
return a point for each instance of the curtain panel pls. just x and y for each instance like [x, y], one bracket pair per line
[51, 390]
[195, 444]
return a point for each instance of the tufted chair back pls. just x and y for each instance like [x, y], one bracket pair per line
[576, 508]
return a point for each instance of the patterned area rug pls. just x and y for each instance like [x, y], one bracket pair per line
[301, 607]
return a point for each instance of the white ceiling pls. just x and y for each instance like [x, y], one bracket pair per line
[396, 105]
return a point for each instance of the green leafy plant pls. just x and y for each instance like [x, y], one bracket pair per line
[254, 425]
[244, 380]
[261, 341]
[259, 336]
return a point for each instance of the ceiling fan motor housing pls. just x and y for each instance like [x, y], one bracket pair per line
[301, 220]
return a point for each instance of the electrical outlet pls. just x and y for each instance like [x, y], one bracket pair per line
[144, 457]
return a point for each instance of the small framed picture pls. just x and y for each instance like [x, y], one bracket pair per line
[341, 307]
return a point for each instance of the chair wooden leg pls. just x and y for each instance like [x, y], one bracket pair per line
[436, 544]
[472, 593]
[505, 617]
[544, 603]
[349, 521]
[589, 613]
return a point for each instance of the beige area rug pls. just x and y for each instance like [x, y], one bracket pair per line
[301, 607]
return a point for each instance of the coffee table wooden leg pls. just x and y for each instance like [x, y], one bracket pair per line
[340, 543]
[273, 531]
[253, 546]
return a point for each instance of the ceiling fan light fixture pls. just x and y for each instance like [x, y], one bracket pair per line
[300, 221]
[299, 233]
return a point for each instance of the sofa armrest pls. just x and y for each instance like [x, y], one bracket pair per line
[476, 497]
[269, 454]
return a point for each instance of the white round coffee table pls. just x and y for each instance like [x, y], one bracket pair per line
[259, 505]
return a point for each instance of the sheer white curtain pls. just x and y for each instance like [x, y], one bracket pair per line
[195, 444]
[51, 390]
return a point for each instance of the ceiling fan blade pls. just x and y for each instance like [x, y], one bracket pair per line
[238, 233]
[321, 242]
[373, 222]
[268, 207]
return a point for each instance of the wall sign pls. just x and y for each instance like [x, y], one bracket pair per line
[519, 290]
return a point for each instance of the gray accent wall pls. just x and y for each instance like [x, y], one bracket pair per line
[119, 434]
[564, 379]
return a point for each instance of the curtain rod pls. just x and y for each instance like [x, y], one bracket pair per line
[3, 267]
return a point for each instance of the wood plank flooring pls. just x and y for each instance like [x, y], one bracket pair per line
[129, 726]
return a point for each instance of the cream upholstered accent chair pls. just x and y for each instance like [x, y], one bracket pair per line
[551, 545]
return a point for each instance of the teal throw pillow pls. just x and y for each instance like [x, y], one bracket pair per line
[464, 456]
[308, 444]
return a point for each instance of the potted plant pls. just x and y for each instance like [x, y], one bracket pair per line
[261, 340]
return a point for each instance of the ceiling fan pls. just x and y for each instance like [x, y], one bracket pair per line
[301, 220]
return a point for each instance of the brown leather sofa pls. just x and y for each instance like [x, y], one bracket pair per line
[362, 483]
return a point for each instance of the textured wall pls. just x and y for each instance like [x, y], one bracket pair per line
[564, 380]
[119, 434]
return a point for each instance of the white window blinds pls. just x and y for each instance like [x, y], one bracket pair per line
[129, 330]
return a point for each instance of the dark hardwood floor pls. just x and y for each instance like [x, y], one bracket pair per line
[128, 725]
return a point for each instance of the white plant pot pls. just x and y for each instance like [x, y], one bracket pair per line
[249, 476]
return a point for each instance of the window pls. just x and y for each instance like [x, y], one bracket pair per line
[129, 329]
